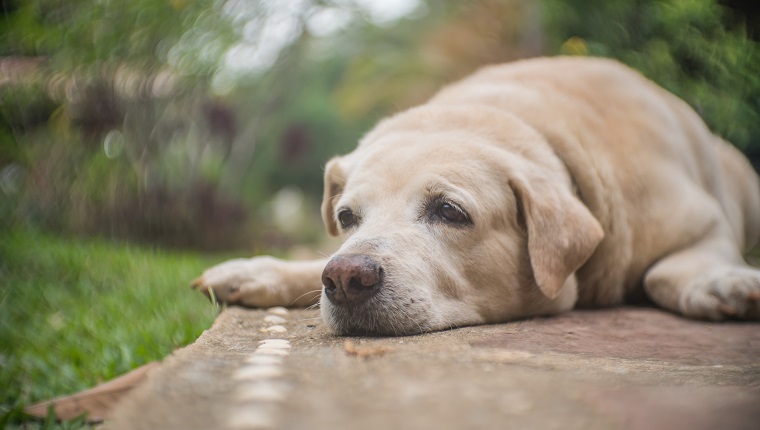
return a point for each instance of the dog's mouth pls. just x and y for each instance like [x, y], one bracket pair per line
[384, 314]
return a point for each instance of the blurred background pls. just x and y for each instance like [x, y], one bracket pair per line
[205, 124]
[144, 140]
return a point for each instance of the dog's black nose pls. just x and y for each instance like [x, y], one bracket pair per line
[351, 279]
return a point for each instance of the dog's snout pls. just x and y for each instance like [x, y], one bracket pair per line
[351, 279]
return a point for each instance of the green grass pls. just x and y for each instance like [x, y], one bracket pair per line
[75, 313]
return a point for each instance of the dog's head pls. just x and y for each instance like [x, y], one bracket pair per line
[451, 217]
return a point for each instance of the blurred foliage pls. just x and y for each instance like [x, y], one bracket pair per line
[697, 49]
[207, 124]
[76, 34]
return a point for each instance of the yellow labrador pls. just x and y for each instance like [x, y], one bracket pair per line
[525, 189]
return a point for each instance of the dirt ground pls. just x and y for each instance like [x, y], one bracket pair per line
[628, 368]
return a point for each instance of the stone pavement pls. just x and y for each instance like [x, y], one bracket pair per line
[609, 369]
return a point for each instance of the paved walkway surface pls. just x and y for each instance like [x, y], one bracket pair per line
[609, 369]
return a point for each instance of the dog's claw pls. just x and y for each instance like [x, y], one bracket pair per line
[197, 283]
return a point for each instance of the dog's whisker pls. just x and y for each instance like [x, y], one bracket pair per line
[308, 319]
[319, 291]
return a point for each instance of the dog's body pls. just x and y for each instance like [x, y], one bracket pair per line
[525, 189]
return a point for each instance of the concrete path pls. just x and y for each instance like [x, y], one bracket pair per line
[609, 369]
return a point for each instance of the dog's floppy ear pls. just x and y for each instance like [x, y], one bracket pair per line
[562, 233]
[335, 179]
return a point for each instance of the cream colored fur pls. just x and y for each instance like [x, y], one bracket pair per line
[585, 184]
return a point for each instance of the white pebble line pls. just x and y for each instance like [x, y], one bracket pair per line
[259, 386]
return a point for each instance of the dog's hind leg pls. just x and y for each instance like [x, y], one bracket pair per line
[704, 275]
[708, 280]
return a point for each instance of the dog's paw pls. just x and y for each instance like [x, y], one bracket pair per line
[254, 282]
[732, 293]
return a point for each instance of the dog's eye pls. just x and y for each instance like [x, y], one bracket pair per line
[451, 213]
[346, 218]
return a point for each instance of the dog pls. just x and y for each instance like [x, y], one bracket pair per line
[525, 189]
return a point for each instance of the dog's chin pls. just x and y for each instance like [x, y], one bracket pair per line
[375, 317]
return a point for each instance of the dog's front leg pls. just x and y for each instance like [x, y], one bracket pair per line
[264, 282]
